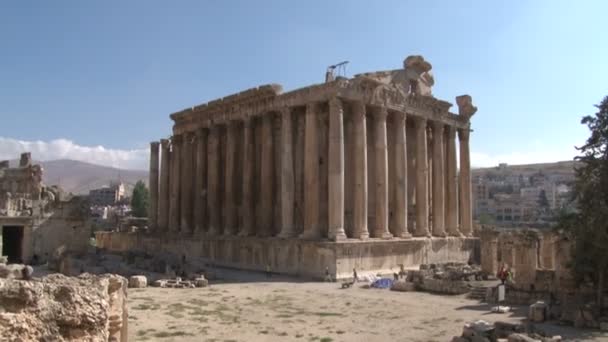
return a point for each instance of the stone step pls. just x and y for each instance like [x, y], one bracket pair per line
[478, 292]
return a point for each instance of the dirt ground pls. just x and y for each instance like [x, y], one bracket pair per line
[285, 310]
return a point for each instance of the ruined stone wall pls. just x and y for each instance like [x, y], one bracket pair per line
[299, 257]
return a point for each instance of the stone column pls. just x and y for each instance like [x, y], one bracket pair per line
[438, 180]
[153, 185]
[174, 199]
[452, 181]
[400, 159]
[381, 148]
[163, 197]
[422, 172]
[200, 179]
[336, 170]
[248, 222]
[287, 175]
[311, 176]
[186, 184]
[466, 214]
[230, 210]
[267, 176]
[213, 177]
[360, 171]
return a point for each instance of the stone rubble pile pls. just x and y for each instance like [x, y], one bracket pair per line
[482, 331]
[448, 278]
[178, 283]
[60, 308]
[133, 265]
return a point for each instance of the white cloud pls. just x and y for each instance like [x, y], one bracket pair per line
[67, 149]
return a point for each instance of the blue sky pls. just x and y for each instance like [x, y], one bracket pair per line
[96, 80]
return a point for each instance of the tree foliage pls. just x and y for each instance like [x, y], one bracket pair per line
[588, 225]
[140, 200]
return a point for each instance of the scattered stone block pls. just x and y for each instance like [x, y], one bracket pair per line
[201, 282]
[521, 338]
[403, 286]
[160, 283]
[537, 312]
[138, 281]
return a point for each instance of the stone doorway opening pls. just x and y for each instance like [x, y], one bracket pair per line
[12, 243]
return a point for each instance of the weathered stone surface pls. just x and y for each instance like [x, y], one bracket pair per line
[521, 338]
[403, 286]
[537, 312]
[60, 308]
[201, 282]
[138, 281]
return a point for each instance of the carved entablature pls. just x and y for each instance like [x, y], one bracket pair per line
[406, 90]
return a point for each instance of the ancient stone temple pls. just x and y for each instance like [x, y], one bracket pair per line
[358, 172]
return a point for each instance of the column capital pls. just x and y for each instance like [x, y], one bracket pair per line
[358, 109]
[285, 111]
[177, 139]
[463, 134]
[164, 142]
[381, 113]
[437, 125]
[311, 108]
[154, 144]
[451, 131]
[335, 102]
[420, 121]
[400, 117]
[247, 121]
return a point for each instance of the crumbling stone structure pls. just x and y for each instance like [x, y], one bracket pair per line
[60, 308]
[367, 163]
[34, 218]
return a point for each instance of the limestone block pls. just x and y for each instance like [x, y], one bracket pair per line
[201, 282]
[160, 283]
[15, 271]
[403, 286]
[521, 338]
[537, 312]
[138, 281]
[459, 339]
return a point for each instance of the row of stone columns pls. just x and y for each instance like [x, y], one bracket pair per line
[200, 189]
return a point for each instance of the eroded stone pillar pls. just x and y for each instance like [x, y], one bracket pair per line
[153, 185]
[311, 176]
[213, 177]
[381, 166]
[422, 172]
[336, 170]
[287, 176]
[163, 196]
[186, 184]
[438, 180]
[452, 183]
[248, 222]
[200, 179]
[174, 199]
[267, 176]
[401, 174]
[230, 208]
[360, 171]
[466, 214]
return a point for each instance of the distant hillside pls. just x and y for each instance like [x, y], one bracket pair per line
[561, 167]
[79, 177]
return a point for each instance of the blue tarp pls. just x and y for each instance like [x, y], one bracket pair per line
[383, 283]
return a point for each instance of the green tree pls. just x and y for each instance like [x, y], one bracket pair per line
[140, 200]
[588, 225]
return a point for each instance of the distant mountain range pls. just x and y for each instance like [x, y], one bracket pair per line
[79, 177]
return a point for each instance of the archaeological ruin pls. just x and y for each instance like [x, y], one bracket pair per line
[357, 172]
[36, 219]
